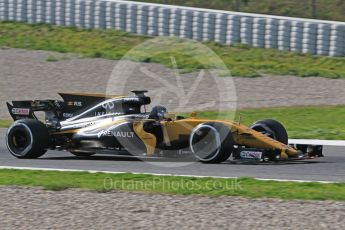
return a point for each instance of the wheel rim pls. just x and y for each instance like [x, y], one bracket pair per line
[205, 142]
[19, 140]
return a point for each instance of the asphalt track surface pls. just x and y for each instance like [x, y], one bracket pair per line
[329, 168]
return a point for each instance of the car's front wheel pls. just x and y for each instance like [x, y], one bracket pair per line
[27, 139]
[211, 143]
[272, 129]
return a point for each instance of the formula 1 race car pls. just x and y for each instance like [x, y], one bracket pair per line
[87, 124]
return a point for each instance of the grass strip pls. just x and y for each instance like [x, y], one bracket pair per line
[241, 60]
[244, 187]
[5, 123]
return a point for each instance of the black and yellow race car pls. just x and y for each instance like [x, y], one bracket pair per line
[87, 124]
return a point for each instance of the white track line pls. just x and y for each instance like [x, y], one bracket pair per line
[316, 142]
[159, 174]
[292, 141]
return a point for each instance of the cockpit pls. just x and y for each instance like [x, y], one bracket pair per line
[158, 113]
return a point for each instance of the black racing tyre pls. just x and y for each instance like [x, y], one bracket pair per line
[211, 143]
[27, 139]
[272, 129]
[82, 154]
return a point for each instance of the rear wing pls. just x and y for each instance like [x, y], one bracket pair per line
[71, 105]
[26, 109]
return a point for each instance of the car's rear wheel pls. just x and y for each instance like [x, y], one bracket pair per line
[212, 143]
[82, 153]
[27, 139]
[272, 129]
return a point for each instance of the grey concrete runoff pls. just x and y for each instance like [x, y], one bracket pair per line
[34, 208]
